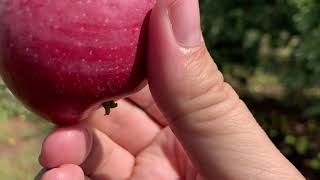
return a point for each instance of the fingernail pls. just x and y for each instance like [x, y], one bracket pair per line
[185, 19]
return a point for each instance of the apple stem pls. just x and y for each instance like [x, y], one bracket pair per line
[108, 106]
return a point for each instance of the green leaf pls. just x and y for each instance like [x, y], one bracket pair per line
[315, 164]
[302, 145]
[290, 140]
[273, 133]
[312, 126]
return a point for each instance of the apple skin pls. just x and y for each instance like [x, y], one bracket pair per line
[64, 58]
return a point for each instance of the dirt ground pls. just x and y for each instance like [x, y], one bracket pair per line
[20, 142]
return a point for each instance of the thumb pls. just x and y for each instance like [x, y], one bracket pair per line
[214, 126]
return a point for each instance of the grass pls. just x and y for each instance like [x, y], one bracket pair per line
[20, 142]
[21, 164]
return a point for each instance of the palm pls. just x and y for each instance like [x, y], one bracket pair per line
[134, 142]
[138, 130]
[163, 159]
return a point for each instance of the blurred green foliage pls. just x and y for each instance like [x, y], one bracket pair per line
[9, 106]
[270, 51]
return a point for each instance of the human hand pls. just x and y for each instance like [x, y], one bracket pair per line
[189, 124]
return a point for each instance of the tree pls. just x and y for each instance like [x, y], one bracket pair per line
[270, 51]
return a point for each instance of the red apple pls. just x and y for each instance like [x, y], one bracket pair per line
[64, 58]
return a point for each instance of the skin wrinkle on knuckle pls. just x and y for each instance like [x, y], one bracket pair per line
[212, 97]
[198, 119]
[200, 68]
[221, 102]
[204, 124]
